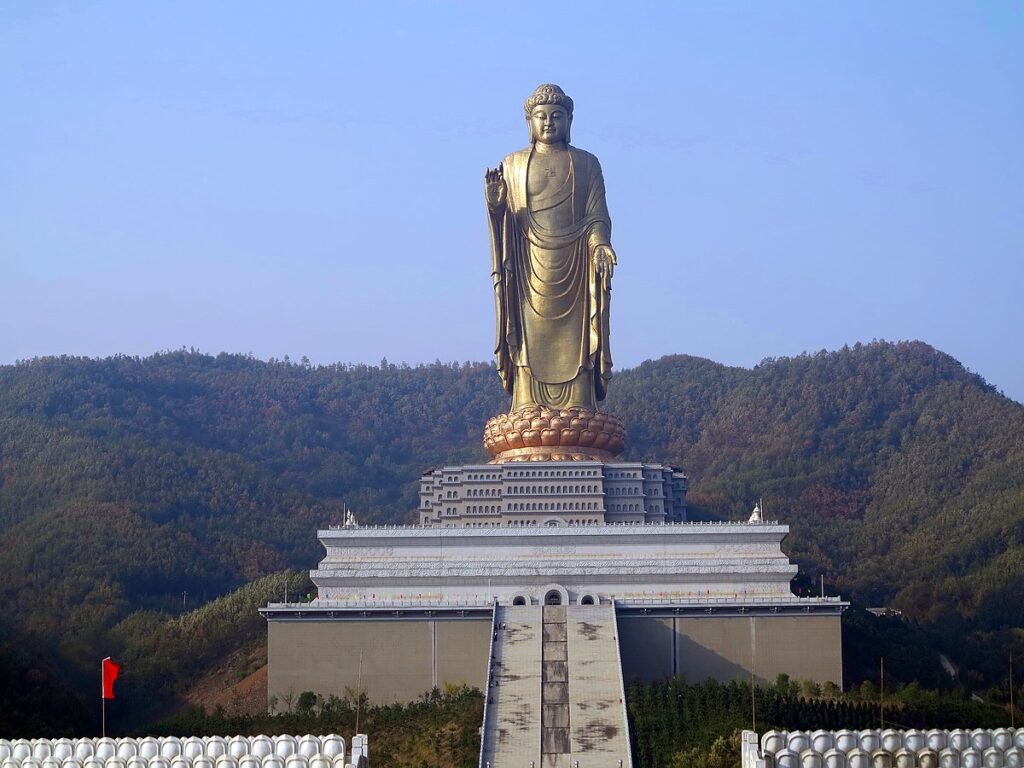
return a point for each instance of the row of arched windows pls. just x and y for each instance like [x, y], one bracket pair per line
[555, 473]
[554, 506]
[524, 489]
[624, 508]
[476, 510]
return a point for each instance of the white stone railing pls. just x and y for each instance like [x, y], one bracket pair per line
[622, 696]
[487, 601]
[534, 529]
[979, 748]
[490, 676]
[193, 752]
[728, 599]
[384, 602]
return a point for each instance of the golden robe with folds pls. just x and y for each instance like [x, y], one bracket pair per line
[551, 306]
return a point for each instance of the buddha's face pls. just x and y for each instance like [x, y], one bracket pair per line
[549, 124]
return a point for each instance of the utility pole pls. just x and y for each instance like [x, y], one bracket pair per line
[753, 703]
[1012, 724]
[359, 689]
[881, 694]
[753, 663]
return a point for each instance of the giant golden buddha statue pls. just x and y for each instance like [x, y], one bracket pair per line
[551, 266]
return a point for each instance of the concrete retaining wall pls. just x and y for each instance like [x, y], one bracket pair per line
[400, 659]
[727, 648]
[404, 658]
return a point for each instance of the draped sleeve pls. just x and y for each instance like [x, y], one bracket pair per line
[506, 244]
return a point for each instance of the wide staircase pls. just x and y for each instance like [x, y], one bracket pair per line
[597, 712]
[512, 726]
[555, 690]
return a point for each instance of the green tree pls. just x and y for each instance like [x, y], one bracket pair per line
[305, 703]
[724, 752]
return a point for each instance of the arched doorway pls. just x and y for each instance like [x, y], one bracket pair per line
[553, 597]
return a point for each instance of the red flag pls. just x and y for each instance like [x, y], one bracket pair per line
[111, 670]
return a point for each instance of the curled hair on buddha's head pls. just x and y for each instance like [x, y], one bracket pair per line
[548, 93]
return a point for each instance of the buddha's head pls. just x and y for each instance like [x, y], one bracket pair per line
[549, 115]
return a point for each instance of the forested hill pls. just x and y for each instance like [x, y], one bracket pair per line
[127, 482]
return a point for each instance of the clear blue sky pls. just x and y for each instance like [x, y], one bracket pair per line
[306, 178]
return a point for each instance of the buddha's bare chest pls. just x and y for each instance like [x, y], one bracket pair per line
[547, 173]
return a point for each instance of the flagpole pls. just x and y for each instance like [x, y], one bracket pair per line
[103, 704]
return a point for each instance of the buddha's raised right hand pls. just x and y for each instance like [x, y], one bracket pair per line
[494, 187]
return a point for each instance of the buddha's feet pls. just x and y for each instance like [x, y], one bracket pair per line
[537, 433]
